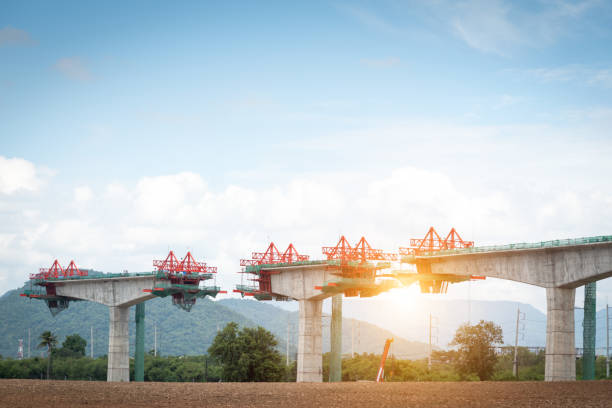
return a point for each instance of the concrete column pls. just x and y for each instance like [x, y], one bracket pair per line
[140, 337]
[118, 344]
[309, 358]
[560, 347]
[335, 360]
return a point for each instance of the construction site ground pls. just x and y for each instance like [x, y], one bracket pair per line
[51, 394]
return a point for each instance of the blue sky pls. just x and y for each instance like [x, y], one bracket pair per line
[128, 128]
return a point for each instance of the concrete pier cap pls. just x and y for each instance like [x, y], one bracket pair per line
[299, 283]
[119, 295]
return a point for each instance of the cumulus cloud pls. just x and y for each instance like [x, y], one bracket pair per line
[17, 175]
[83, 194]
[14, 36]
[130, 225]
[73, 68]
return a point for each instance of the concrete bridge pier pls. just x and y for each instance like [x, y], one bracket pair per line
[335, 336]
[560, 343]
[309, 363]
[118, 344]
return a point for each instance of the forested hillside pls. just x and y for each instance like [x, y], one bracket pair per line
[179, 332]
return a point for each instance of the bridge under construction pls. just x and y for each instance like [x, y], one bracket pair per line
[357, 270]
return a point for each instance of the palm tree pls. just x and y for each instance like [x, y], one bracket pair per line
[48, 340]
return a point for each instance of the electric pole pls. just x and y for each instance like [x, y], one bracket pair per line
[155, 341]
[516, 339]
[287, 339]
[91, 340]
[515, 363]
[29, 338]
[431, 327]
[353, 338]
[607, 343]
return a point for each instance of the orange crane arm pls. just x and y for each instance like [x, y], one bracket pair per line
[381, 370]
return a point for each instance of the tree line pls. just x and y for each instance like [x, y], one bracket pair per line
[251, 354]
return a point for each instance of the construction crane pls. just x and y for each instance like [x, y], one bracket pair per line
[383, 359]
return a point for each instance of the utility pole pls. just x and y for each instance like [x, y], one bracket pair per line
[91, 340]
[155, 341]
[358, 337]
[29, 338]
[287, 339]
[607, 343]
[469, 302]
[429, 352]
[431, 328]
[515, 363]
[353, 338]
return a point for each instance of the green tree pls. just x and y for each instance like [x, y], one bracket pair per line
[48, 341]
[247, 355]
[224, 349]
[476, 354]
[73, 346]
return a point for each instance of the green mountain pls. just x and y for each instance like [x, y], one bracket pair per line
[178, 332]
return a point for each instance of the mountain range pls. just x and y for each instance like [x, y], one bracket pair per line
[366, 324]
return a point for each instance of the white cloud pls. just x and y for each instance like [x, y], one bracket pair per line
[466, 177]
[83, 194]
[73, 68]
[18, 174]
[501, 27]
[14, 36]
[486, 26]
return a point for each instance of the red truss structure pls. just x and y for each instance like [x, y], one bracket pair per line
[187, 266]
[170, 264]
[72, 270]
[56, 271]
[342, 251]
[291, 255]
[271, 256]
[433, 242]
[454, 241]
[361, 252]
[190, 265]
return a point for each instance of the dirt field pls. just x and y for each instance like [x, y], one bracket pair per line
[66, 394]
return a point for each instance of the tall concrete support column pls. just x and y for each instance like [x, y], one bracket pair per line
[335, 361]
[588, 332]
[118, 344]
[309, 358]
[140, 337]
[560, 347]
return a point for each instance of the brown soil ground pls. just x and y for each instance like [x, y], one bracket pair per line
[65, 394]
